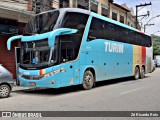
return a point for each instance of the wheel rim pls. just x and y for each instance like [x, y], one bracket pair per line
[4, 91]
[88, 81]
[137, 73]
[143, 73]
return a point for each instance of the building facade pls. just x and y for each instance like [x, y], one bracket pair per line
[14, 14]
[119, 13]
[98, 6]
[106, 8]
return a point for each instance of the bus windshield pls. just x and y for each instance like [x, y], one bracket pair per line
[36, 53]
[41, 23]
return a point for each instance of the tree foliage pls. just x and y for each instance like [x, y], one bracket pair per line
[156, 44]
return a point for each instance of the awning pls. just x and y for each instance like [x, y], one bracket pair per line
[15, 14]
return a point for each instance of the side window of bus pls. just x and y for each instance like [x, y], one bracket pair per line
[138, 41]
[76, 21]
[67, 51]
[132, 37]
[122, 34]
[110, 31]
[101, 29]
[147, 41]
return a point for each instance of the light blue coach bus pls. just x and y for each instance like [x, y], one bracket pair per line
[72, 46]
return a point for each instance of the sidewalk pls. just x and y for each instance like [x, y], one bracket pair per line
[17, 88]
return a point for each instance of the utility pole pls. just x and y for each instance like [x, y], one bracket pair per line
[147, 25]
[141, 5]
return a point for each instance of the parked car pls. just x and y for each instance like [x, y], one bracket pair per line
[153, 65]
[6, 82]
[157, 62]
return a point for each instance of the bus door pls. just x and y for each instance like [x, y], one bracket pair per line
[17, 60]
[67, 66]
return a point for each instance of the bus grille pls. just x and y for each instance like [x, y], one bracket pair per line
[32, 77]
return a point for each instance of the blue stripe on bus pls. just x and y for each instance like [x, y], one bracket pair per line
[110, 64]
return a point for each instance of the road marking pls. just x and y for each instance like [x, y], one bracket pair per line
[132, 90]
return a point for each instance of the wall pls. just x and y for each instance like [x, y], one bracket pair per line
[7, 58]
[15, 4]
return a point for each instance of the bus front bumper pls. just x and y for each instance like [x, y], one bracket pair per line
[43, 83]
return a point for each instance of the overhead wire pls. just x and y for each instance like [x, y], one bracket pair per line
[144, 1]
[138, 1]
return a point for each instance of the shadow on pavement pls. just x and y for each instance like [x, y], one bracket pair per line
[77, 88]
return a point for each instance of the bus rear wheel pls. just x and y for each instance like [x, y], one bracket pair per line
[136, 73]
[88, 80]
[142, 74]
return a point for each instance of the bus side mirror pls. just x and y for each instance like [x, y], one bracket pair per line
[12, 39]
[60, 31]
[65, 31]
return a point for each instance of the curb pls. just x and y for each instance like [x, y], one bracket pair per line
[17, 88]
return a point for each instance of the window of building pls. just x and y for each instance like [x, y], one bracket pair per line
[8, 27]
[64, 3]
[45, 5]
[105, 10]
[129, 23]
[84, 4]
[94, 6]
[121, 19]
[114, 14]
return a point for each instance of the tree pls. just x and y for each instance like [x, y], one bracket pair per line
[156, 45]
[156, 49]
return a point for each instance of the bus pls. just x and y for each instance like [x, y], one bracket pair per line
[72, 46]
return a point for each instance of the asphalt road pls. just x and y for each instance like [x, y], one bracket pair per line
[114, 95]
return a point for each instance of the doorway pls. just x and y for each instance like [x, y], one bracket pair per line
[17, 61]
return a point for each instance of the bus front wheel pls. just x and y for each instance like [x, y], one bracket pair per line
[88, 80]
[136, 73]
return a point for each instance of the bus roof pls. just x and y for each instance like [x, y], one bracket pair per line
[79, 10]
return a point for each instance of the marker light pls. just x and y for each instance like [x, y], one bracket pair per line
[42, 72]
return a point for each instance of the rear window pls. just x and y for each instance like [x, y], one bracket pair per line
[4, 71]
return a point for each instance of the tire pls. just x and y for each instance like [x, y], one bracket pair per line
[4, 91]
[136, 73]
[88, 80]
[142, 74]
